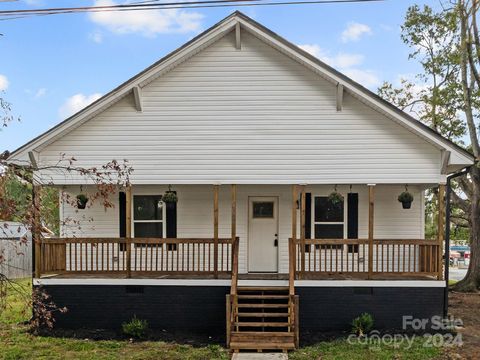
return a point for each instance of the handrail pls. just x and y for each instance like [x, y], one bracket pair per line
[232, 298]
[177, 256]
[291, 265]
[134, 240]
[364, 258]
[235, 247]
[365, 241]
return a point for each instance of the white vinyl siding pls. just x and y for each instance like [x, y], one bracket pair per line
[92, 221]
[249, 116]
[195, 214]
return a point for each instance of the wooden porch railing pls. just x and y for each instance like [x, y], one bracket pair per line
[160, 256]
[334, 258]
[232, 298]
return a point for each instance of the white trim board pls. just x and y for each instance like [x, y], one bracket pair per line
[369, 283]
[219, 282]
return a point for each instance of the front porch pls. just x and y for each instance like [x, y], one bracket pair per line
[262, 308]
[298, 255]
[157, 258]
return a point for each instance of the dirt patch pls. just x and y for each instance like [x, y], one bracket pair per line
[467, 308]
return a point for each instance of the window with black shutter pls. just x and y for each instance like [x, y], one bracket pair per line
[328, 220]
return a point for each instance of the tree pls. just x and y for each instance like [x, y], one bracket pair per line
[17, 184]
[18, 194]
[447, 45]
[469, 59]
[5, 112]
[17, 203]
[432, 100]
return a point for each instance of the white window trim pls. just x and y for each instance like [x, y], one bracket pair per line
[313, 222]
[164, 215]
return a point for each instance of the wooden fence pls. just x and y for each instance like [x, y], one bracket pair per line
[137, 256]
[16, 258]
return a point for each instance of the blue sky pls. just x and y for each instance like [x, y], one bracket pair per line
[51, 66]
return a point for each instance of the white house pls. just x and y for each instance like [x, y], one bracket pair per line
[253, 135]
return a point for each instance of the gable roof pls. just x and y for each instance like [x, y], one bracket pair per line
[209, 36]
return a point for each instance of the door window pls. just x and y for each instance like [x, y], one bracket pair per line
[263, 209]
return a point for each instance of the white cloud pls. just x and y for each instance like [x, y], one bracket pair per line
[34, 2]
[96, 37]
[345, 63]
[344, 60]
[340, 60]
[367, 78]
[3, 82]
[355, 31]
[148, 23]
[76, 103]
[40, 92]
[312, 49]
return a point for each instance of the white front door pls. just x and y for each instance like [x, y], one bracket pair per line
[262, 234]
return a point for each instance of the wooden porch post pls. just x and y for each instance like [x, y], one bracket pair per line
[441, 228]
[37, 230]
[371, 216]
[128, 229]
[215, 230]
[293, 242]
[233, 289]
[302, 228]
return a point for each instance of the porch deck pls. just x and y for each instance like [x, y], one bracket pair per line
[250, 276]
[311, 259]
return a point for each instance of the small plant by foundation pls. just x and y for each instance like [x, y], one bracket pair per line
[363, 324]
[135, 328]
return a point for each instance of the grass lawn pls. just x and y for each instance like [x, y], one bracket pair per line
[17, 343]
[341, 349]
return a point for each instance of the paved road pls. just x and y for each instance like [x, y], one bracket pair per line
[457, 274]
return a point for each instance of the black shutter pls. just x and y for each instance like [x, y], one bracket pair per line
[122, 212]
[171, 221]
[308, 219]
[352, 220]
[308, 215]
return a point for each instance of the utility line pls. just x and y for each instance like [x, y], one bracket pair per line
[9, 14]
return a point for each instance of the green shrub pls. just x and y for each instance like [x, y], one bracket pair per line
[362, 324]
[405, 197]
[135, 328]
[335, 198]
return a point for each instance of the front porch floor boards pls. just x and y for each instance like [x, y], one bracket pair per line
[250, 276]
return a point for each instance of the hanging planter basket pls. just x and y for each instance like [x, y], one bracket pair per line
[335, 198]
[406, 199]
[170, 196]
[82, 201]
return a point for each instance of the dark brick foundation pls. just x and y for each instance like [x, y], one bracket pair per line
[200, 310]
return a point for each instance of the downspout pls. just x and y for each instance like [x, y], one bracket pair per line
[447, 234]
